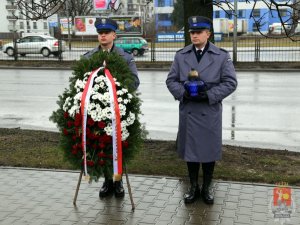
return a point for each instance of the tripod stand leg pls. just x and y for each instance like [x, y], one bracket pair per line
[129, 189]
[77, 189]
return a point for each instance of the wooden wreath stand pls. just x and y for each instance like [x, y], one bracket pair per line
[128, 187]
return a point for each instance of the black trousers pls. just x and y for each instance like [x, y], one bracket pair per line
[207, 169]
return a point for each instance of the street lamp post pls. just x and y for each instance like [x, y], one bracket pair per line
[235, 32]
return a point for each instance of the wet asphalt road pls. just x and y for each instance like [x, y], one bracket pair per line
[263, 112]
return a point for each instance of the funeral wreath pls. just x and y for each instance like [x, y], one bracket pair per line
[95, 150]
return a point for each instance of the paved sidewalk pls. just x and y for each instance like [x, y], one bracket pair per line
[44, 197]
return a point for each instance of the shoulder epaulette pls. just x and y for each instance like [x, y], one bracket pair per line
[224, 50]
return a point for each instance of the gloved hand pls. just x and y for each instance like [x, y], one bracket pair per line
[201, 97]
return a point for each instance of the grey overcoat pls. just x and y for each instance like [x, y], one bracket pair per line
[200, 123]
[126, 56]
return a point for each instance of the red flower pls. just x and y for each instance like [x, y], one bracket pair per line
[101, 145]
[66, 115]
[77, 122]
[70, 123]
[66, 132]
[101, 155]
[90, 122]
[101, 162]
[107, 139]
[77, 132]
[74, 137]
[74, 151]
[101, 125]
[90, 163]
[125, 144]
[110, 156]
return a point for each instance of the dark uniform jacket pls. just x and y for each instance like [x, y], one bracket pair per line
[128, 58]
[200, 123]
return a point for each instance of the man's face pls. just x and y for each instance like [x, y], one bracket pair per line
[199, 37]
[106, 38]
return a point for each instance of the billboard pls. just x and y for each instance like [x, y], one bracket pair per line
[107, 4]
[64, 25]
[101, 4]
[127, 25]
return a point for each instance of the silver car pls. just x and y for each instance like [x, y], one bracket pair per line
[35, 44]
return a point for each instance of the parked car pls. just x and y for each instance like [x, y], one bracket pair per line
[134, 45]
[35, 44]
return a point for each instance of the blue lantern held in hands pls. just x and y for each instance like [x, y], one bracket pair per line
[194, 85]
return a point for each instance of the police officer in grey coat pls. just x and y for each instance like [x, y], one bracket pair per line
[201, 76]
[106, 29]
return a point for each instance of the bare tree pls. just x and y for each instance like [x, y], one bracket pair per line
[78, 7]
[287, 12]
[288, 22]
[39, 9]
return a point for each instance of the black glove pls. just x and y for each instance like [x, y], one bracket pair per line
[201, 97]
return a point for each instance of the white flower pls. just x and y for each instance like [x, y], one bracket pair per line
[125, 101]
[129, 96]
[78, 96]
[108, 129]
[120, 92]
[96, 87]
[66, 104]
[79, 84]
[102, 84]
[125, 134]
[120, 99]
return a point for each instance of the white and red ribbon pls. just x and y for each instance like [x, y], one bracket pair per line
[116, 121]
[85, 100]
[116, 126]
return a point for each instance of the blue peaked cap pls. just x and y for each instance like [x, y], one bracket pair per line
[199, 23]
[105, 24]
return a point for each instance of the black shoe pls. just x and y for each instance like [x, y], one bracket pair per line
[206, 195]
[107, 188]
[192, 194]
[119, 189]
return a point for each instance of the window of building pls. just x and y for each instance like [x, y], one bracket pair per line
[217, 14]
[45, 25]
[34, 25]
[164, 16]
[21, 16]
[21, 25]
[171, 3]
[256, 13]
[241, 14]
[254, 27]
[283, 12]
[228, 14]
[161, 3]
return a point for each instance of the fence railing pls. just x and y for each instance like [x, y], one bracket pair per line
[249, 49]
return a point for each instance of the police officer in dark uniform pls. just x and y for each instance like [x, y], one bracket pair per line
[199, 137]
[106, 29]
